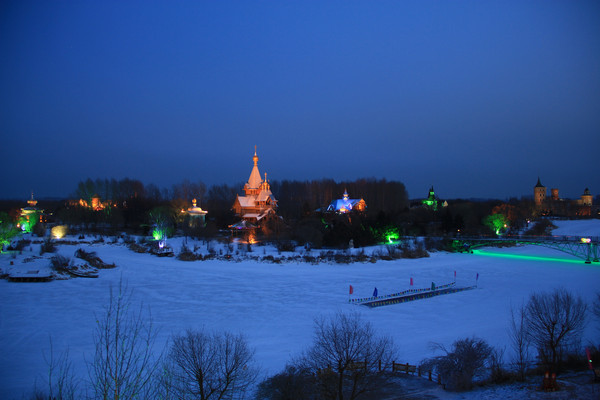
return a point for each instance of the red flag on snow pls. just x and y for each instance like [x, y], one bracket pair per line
[351, 289]
[411, 281]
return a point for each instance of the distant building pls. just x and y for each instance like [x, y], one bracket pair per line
[539, 193]
[346, 204]
[433, 202]
[586, 198]
[31, 215]
[556, 206]
[258, 201]
[95, 203]
[197, 215]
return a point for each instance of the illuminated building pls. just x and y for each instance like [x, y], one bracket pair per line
[586, 198]
[345, 205]
[31, 215]
[197, 214]
[556, 206]
[432, 201]
[258, 201]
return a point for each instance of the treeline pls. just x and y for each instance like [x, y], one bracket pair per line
[296, 198]
[127, 205]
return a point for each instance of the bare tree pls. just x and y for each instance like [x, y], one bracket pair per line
[61, 381]
[466, 360]
[555, 321]
[123, 365]
[345, 356]
[596, 306]
[519, 340]
[209, 366]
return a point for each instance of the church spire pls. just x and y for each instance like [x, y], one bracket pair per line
[255, 158]
[254, 181]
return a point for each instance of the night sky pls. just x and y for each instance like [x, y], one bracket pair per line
[477, 98]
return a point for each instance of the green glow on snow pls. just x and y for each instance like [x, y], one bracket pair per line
[524, 257]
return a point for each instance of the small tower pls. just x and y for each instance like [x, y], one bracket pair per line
[586, 197]
[539, 193]
[32, 202]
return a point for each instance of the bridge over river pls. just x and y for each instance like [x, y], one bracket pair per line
[585, 248]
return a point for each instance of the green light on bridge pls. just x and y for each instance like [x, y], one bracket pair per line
[524, 257]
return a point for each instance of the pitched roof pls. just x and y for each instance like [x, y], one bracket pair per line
[254, 181]
[539, 184]
[247, 201]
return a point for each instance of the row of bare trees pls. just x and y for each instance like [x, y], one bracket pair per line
[197, 365]
[344, 361]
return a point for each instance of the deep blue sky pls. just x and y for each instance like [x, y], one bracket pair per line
[477, 98]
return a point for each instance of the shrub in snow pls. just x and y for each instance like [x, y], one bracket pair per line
[60, 264]
[47, 246]
[187, 255]
[293, 383]
[458, 367]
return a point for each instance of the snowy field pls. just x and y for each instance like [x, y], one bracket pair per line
[274, 305]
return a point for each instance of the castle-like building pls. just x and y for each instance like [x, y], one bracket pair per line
[258, 201]
[554, 205]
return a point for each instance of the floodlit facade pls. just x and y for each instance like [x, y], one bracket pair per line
[346, 204]
[258, 202]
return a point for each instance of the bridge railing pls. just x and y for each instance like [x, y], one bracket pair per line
[530, 238]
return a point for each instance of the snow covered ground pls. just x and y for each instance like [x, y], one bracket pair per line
[274, 305]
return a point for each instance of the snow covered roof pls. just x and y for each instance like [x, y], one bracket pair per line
[247, 201]
[343, 204]
[196, 211]
[251, 215]
[255, 180]
[264, 195]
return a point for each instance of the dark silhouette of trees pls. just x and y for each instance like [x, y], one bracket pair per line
[209, 366]
[345, 357]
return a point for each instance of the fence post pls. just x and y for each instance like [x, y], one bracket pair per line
[407, 368]
[419, 371]
[430, 375]
[393, 366]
